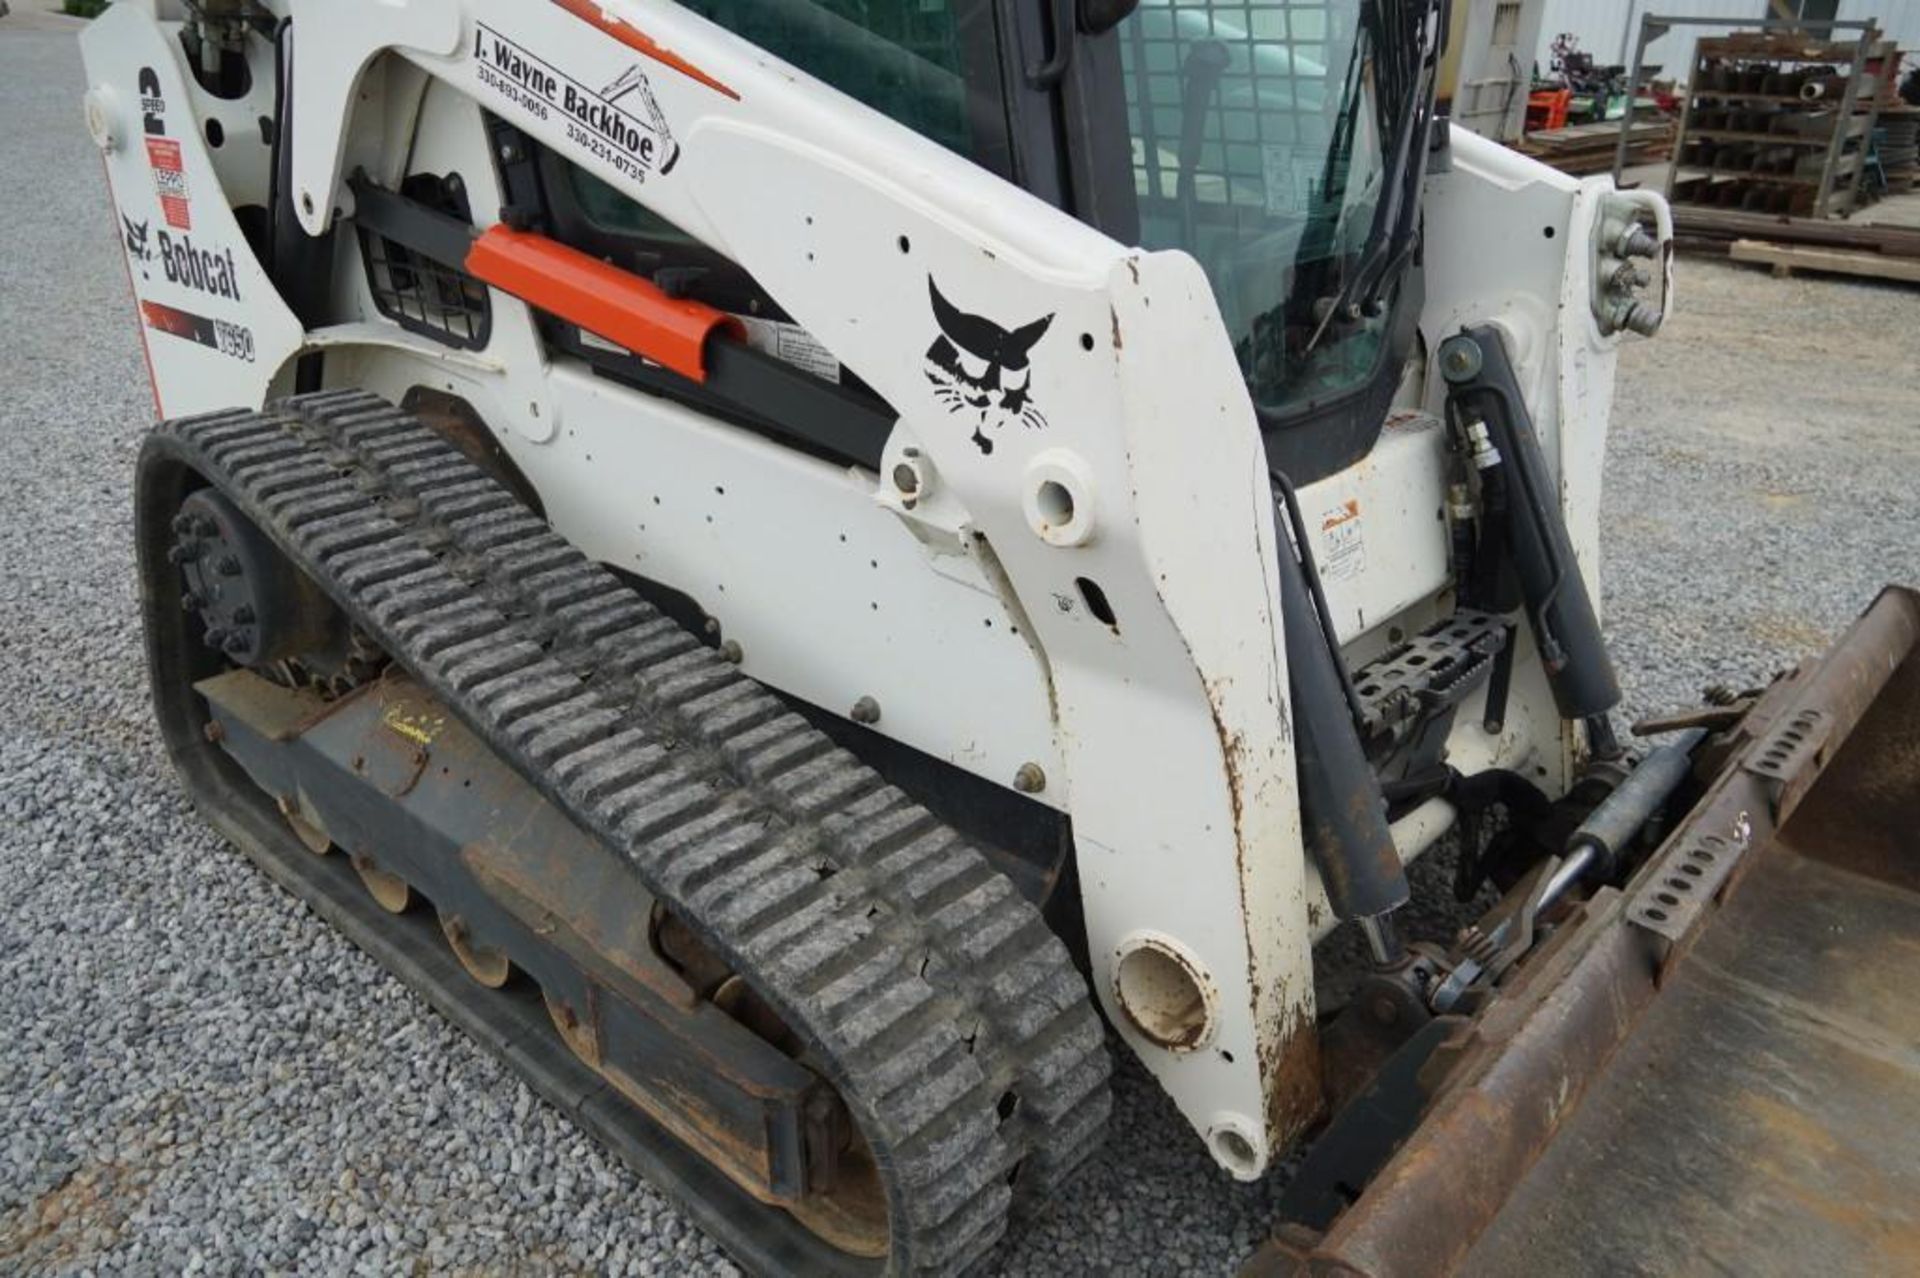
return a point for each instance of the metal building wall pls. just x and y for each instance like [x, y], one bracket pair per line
[1899, 19]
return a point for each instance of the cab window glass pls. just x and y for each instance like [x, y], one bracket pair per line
[932, 65]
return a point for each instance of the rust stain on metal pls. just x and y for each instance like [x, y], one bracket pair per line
[1845, 1195]
[1290, 1066]
[1231, 744]
[688, 1117]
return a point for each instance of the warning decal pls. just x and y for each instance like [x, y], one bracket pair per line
[791, 344]
[163, 154]
[1343, 544]
[170, 182]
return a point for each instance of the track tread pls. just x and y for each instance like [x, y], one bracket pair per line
[926, 986]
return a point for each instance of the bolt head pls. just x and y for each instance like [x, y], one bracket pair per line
[243, 615]
[1460, 358]
[1030, 779]
[184, 552]
[229, 565]
[236, 643]
[865, 710]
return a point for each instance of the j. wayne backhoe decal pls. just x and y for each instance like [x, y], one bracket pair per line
[981, 372]
[620, 123]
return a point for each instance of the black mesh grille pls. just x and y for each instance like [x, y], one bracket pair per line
[424, 297]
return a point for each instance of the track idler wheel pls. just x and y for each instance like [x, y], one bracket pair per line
[488, 967]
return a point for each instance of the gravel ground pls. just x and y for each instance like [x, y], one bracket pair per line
[199, 1075]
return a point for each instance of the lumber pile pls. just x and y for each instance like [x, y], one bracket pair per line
[1716, 231]
[1581, 149]
[1785, 259]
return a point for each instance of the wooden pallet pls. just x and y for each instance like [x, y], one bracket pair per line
[1785, 259]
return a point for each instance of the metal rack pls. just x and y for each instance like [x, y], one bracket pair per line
[1769, 125]
[1775, 119]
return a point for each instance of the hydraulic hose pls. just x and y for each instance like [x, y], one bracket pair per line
[1565, 626]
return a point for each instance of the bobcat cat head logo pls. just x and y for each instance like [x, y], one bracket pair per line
[980, 370]
[137, 245]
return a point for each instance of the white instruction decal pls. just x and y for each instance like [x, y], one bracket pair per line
[791, 344]
[1288, 173]
[593, 341]
[1343, 543]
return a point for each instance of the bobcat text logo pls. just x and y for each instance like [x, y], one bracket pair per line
[980, 370]
[210, 271]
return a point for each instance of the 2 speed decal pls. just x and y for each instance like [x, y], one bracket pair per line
[164, 156]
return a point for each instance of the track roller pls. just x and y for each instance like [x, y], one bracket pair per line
[489, 967]
[305, 825]
[389, 891]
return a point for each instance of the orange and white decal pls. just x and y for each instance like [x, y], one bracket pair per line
[1343, 542]
[642, 43]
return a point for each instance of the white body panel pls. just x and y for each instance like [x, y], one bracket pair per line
[1166, 735]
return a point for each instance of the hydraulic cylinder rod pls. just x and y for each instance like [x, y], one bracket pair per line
[1558, 606]
[1342, 809]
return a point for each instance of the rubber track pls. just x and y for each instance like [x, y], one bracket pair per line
[932, 993]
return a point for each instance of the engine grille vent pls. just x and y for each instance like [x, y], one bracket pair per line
[419, 294]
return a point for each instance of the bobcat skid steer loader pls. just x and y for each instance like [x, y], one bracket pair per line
[782, 561]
